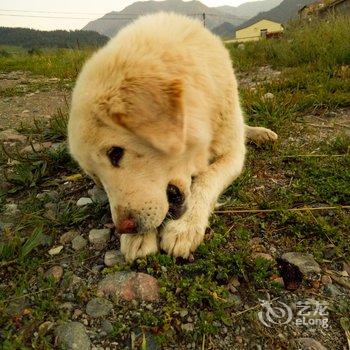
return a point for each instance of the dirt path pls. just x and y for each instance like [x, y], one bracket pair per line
[25, 97]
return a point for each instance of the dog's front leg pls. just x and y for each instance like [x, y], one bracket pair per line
[183, 236]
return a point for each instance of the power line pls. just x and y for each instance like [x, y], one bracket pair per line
[65, 17]
[73, 13]
[98, 14]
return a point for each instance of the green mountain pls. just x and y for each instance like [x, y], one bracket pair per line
[30, 38]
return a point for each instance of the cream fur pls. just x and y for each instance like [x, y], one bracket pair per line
[165, 91]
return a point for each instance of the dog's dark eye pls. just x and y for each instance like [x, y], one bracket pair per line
[175, 197]
[115, 154]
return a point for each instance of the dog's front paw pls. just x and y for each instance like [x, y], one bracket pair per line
[180, 239]
[135, 246]
[261, 135]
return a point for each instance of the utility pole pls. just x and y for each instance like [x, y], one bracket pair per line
[203, 14]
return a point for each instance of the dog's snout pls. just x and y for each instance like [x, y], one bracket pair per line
[127, 226]
[176, 200]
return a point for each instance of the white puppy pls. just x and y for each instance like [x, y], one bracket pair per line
[156, 120]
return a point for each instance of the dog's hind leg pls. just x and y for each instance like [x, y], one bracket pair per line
[259, 135]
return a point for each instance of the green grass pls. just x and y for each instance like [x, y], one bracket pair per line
[60, 63]
[318, 44]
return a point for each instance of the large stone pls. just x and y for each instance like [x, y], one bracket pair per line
[129, 286]
[98, 307]
[305, 262]
[72, 336]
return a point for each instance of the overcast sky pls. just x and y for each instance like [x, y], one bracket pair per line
[84, 11]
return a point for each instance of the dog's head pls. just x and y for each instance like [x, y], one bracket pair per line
[129, 135]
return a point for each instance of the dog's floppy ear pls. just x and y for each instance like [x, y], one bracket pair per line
[153, 110]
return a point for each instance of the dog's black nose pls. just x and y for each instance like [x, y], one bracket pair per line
[175, 196]
[176, 200]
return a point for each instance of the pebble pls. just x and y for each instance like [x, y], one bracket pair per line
[11, 209]
[98, 307]
[56, 272]
[11, 135]
[187, 327]
[106, 326]
[72, 336]
[99, 237]
[37, 147]
[332, 290]
[304, 261]
[114, 257]
[263, 256]
[309, 344]
[68, 236]
[56, 250]
[79, 242]
[98, 195]
[129, 286]
[326, 279]
[45, 327]
[268, 96]
[84, 201]
[76, 314]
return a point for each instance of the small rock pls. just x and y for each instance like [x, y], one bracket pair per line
[56, 250]
[325, 279]
[241, 46]
[68, 237]
[98, 307]
[16, 307]
[99, 237]
[187, 327]
[346, 267]
[11, 209]
[268, 96]
[309, 344]
[77, 313]
[11, 135]
[47, 194]
[79, 242]
[84, 201]
[36, 146]
[332, 290]
[66, 306]
[183, 313]
[72, 336]
[130, 286]
[45, 327]
[55, 271]
[98, 195]
[305, 262]
[107, 326]
[263, 256]
[114, 257]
